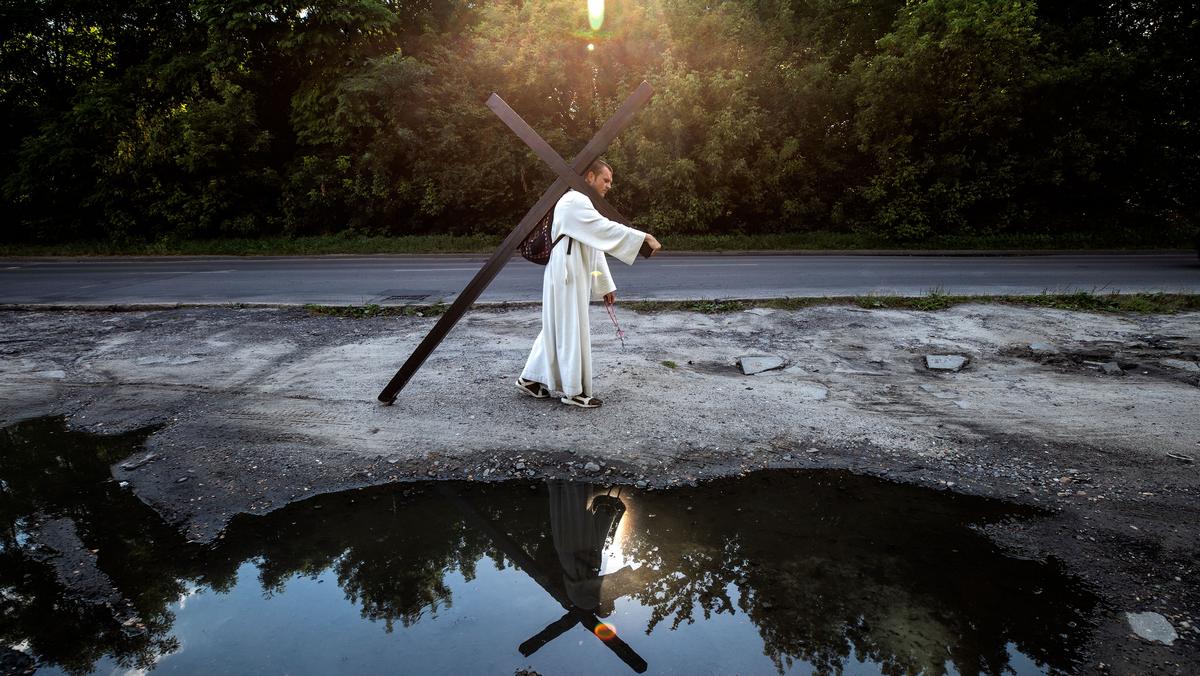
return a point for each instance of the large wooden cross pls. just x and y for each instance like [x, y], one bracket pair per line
[569, 176]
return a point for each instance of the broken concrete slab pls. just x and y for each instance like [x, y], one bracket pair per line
[1182, 365]
[1152, 627]
[945, 362]
[810, 392]
[751, 365]
[1112, 368]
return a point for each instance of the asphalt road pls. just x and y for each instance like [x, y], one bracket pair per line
[398, 280]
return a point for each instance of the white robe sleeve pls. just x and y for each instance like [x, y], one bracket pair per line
[583, 223]
[602, 283]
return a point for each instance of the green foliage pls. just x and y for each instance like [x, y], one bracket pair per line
[372, 310]
[1137, 303]
[200, 169]
[898, 122]
[707, 307]
[938, 111]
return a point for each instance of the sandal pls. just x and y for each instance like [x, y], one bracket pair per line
[582, 401]
[533, 388]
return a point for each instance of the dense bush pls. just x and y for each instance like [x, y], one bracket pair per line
[164, 119]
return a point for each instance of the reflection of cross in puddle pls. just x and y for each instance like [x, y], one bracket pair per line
[579, 535]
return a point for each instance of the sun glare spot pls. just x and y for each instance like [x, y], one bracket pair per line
[591, 47]
[596, 13]
[605, 632]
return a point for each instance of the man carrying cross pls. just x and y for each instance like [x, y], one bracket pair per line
[561, 358]
[568, 176]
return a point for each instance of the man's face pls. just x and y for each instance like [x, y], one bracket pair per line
[601, 181]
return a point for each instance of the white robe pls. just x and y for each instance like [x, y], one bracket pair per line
[561, 357]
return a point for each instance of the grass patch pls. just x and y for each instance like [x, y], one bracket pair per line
[269, 246]
[1140, 303]
[707, 307]
[852, 241]
[934, 300]
[670, 364]
[477, 244]
[369, 311]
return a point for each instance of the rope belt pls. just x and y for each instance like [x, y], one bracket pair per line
[613, 316]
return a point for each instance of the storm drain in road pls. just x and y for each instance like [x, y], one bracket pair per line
[399, 297]
[776, 572]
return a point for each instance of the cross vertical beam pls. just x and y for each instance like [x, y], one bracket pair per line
[618, 122]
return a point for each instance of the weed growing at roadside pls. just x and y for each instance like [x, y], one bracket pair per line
[368, 311]
[934, 300]
[1140, 303]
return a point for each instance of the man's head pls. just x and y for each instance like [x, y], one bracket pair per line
[599, 176]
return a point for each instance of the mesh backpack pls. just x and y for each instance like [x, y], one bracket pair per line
[537, 246]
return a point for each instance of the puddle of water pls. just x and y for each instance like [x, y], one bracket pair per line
[777, 572]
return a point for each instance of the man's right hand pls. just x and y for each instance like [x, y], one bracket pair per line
[653, 244]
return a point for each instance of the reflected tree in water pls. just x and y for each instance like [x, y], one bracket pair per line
[390, 549]
[852, 568]
[46, 474]
[828, 568]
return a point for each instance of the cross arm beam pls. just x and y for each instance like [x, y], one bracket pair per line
[547, 155]
[552, 631]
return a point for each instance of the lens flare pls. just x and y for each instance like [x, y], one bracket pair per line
[591, 47]
[596, 13]
[605, 632]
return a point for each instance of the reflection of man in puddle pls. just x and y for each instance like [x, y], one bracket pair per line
[580, 532]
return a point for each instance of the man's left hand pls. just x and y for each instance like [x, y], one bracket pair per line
[610, 298]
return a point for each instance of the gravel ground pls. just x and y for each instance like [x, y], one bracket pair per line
[1091, 417]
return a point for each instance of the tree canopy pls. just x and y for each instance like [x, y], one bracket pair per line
[138, 120]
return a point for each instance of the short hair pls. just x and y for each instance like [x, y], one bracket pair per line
[594, 167]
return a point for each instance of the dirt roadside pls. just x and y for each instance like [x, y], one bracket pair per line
[1090, 417]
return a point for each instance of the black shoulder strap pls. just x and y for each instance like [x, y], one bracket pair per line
[559, 238]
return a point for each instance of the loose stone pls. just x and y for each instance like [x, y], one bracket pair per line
[132, 465]
[945, 362]
[1152, 627]
[757, 364]
[1181, 365]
